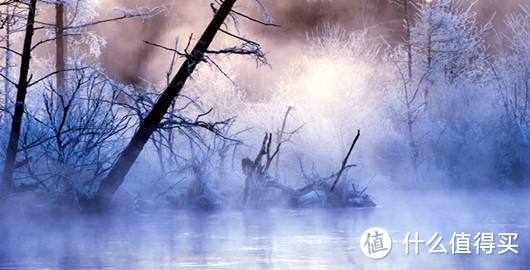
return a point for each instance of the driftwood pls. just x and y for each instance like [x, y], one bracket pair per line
[256, 170]
[319, 193]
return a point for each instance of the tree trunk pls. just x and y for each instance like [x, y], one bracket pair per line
[409, 38]
[60, 46]
[121, 167]
[7, 68]
[429, 54]
[22, 87]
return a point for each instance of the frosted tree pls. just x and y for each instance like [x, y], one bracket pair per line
[513, 75]
[73, 30]
[12, 21]
[334, 88]
[200, 53]
[516, 64]
[69, 143]
[451, 50]
[448, 40]
[449, 64]
[407, 7]
[74, 24]
[185, 144]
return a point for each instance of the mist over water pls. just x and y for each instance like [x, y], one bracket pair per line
[267, 238]
[454, 158]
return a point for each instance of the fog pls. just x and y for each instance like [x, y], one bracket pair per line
[266, 238]
[297, 18]
[423, 129]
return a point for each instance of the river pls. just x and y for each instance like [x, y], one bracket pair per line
[268, 238]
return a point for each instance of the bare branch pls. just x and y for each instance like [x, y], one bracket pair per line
[7, 79]
[149, 13]
[54, 73]
[345, 161]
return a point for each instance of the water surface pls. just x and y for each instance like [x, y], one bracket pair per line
[266, 238]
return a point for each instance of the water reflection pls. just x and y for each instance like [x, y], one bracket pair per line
[262, 239]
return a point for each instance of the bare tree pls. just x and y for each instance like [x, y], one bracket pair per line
[411, 108]
[61, 30]
[323, 191]
[178, 123]
[69, 146]
[256, 171]
[516, 96]
[407, 6]
[512, 73]
[147, 127]
[11, 17]
[22, 87]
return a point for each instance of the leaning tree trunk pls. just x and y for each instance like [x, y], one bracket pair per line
[22, 87]
[60, 46]
[121, 167]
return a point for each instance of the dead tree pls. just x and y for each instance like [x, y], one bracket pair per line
[256, 171]
[26, 80]
[321, 189]
[316, 181]
[69, 145]
[320, 192]
[22, 87]
[345, 162]
[177, 123]
[147, 127]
